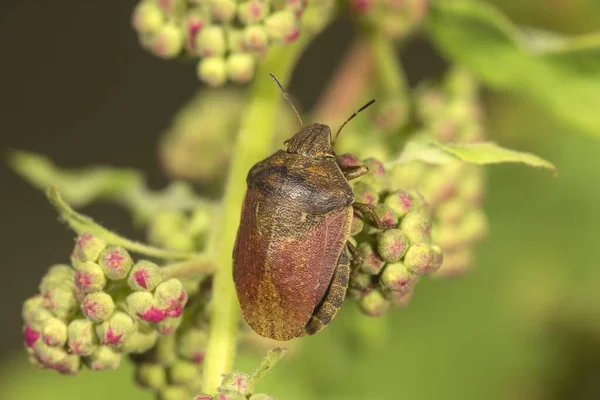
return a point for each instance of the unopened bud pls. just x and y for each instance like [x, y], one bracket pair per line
[212, 71]
[54, 332]
[357, 225]
[400, 299]
[237, 382]
[60, 300]
[98, 306]
[392, 244]
[104, 358]
[282, 26]
[168, 41]
[153, 376]
[386, 216]
[89, 277]
[192, 24]
[252, 11]
[57, 275]
[171, 297]
[235, 40]
[168, 325]
[416, 225]
[371, 262]
[210, 41]
[147, 18]
[255, 38]
[202, 396]
[421, 259]
[116, 262]
[87, 248]
[30, 306]
[141, 341]
[222, 10]
[374, 303]
[173, 393]
[192, 344]
[144, 275]
[240, 67]
[397, 278]
[227, 395]
[400, 202]
[116, 330]
[365, 193]
[82, 338]
[183, 372]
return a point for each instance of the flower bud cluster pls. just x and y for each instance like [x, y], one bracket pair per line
[235, 386]
[98, 308]
[451, 114]
[391, 260]
[228, 36]
[394, 18]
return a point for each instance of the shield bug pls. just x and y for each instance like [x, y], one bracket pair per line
[291, 261]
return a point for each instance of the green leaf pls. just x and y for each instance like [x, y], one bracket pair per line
[483, 153]
[562, 74]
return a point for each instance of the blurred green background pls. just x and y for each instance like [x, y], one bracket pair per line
[523, 325]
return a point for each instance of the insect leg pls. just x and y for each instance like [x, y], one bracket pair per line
[354, 172]
[334, 297]
[370, 211]
[356, 258]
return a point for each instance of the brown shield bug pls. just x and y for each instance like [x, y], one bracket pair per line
[291, 261]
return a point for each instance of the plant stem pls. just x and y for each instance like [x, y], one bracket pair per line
[192, 268]
[253, 143]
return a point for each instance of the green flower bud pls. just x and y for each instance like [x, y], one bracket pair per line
[141, 305]
[255, 38]
[252, 11]
[397, 278]
[210, 41]
[376, 175]
[374, 304]
[282, 26]
[54, 332]
[104, 358]
[173, 393]
[70, 365]
[416, 225]
[183, 372]
[212, 71]
[365, 193]
[89, 277]
[260, 396]
[400, 299]
[98, 307]
[171, 296]
[87, 248]
[237, 382]
[60, 300]
[357, 225]
[371, 262]
[168, 41]
[222, 10]
[240, 67]
[386, 216]
[152, 376]
[38, 317]
[30, 306]
[400, 202]
[116, 262]
[57, 275]
[140, 341]
[116, 330]
[56, 358]
[171, 8]
[421, 259]
[147, 18]
[392, 245]
[235, 40]
[82, 339]
[168, 325]
[361, 281]
[144, 275]
[191, 345]
[193, 22]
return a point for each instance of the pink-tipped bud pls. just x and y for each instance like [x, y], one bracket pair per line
[223, 10]
[252, 11]
[60, 300]
[397, 278]
[147, 18]
[210, 41]
[168, 41]
[82, 339]
[421, 259]
[87, 248]
[140, 342]
[237, 382]
[240, 67]
[282, 26]
[192, 344]
[168, 325]
[417, 227]
[400, 202]
[98, 306]
[104, 358]
[116, 330]
[193, 23]
[374, 304]
[212, 71]
[54, 332]
[144, 275]
[371, 262]
[89, 277]
[255, 38]
[392, 245]
[116, 262]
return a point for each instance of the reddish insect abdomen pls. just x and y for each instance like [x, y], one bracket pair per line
[283, 263]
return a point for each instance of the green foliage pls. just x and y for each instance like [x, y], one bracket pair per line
[563, 77]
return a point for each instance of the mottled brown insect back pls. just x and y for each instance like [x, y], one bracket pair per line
[291, 259]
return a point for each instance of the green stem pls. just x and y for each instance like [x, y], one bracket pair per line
[192, 268]
[253, 143]
[387, 65]
[81, 223]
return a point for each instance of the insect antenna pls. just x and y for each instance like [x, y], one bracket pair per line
[350, 119]
[287, 98]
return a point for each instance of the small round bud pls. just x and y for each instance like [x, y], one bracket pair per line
[421, 259]
[416, 225]
[237, 382]
[397, 278]
[54, 332]
[365, 193]
[144, 275]
[222, 10]
[30, 335]
[116, 262]
[87, 248]
[147, 18]
[82, 339]
[240, 67]
[168, 41]
[191, 345]
[371, 262]
[116, 330]
[98, 306]
[255, 38]
[171, 297]
[69, 365]
[400, 202]
[282, 26]
[173, 393]
[168, 325]
[140, 342]
[361, 281]
[60, 300]
[30, 306]
[235, 40]
[104, 358]
[392, 245]
[400, 299]
[212, 71]
[357, 225]
[142, 305]
[38, 318]
[192, 24]
[374, 304]
[252, 11]
[89, 277]
[57, 275]
[386, 216]
[210, 41]
[183, 372]
[376, 174]
[153, 376]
